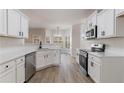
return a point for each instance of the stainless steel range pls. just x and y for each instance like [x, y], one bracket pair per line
[83, 60]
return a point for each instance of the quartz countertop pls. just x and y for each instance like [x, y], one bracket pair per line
[106, 54]
[10, 53]
[7, 54]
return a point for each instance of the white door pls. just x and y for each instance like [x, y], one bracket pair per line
[8, 76]
[3, 22]
[20, 73]
[24, 27]
[13, 23]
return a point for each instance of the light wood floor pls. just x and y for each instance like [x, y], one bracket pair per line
[67, 72]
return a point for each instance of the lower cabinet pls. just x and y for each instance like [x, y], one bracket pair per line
[13, 71]
[20, 70]
[94, 70]
[106, 69]
[7, 72]
[47, 58]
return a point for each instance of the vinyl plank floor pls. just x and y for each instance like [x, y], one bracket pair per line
[67, 72]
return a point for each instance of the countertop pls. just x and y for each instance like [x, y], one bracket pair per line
[8, 54]
[106, 54]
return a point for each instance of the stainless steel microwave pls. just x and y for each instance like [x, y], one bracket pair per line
[91, 34]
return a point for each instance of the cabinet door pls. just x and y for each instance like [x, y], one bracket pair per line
[8, 76]
[13, 23]
[20, 73]
[40, 59]
[94, 70]
[50, 58]
[105, 22]
[57, 57]
[109, 24]
[24, 27]
[92, 20]
[3, 22]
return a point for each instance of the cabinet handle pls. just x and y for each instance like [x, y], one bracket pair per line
[22, 33]
[21, 59]
[19, 33]
[92, 64]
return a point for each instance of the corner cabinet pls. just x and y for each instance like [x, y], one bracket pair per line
[3, 22]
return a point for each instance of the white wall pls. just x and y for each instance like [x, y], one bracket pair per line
[112, 44]
[36, 32]
[75, 39]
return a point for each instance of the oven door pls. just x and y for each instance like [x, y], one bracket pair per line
[83, 61]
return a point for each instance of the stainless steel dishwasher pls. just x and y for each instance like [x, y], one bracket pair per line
[30, 67]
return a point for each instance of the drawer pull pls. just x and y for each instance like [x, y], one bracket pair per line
[7, 66]
[21, 59]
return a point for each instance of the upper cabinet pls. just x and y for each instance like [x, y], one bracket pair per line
[3, 22]
[109, 22]
[105, 23]
[92, 21]
[13, 24]
[24, 27]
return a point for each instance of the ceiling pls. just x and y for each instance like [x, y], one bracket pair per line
[45, 18]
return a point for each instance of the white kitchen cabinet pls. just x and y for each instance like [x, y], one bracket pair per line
[56, 57]
[20, 70]
[106, 23]
[105, 69]
[119, 12]
[7, 72]
[40, 59]
[14, 23]
[24, 27]
[94, 70]
[47, 58]
[92, 20]
[3, 22]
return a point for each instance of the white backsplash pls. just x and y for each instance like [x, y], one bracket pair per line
[10, 42]
[115, 45]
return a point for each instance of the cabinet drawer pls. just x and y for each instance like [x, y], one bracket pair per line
[7, 66]
[95, 59]
[20, 60]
